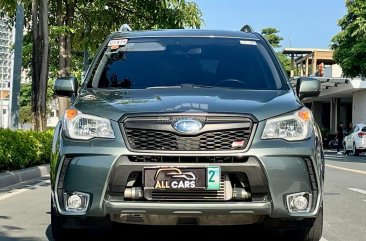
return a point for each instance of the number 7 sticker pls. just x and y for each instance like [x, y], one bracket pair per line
[213, 178]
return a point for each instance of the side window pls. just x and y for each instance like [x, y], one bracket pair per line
[364, 129]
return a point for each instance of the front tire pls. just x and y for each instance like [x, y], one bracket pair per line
[310, 229]
[58, 232]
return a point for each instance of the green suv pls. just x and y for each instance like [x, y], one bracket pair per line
[196, 127]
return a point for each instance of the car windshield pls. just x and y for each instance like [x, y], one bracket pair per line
[187, 62]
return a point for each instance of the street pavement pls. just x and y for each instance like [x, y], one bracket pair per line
[25, 216]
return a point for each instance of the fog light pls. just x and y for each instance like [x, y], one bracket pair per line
[76, 201]
[299, 202]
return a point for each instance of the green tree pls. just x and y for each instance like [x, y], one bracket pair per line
[349, 45]
[285, 61]
[271, 34]
[25, 95]
[25, 103]
[25, 114]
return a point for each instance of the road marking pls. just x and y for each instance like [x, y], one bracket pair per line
[323, 239]
[346, 169]
[19, 191]
[357, 190]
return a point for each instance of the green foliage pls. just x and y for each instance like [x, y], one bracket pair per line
[90, 30]
[285, 61]
[25, 114]
[20, 149]
[7, 8]
[25, 95]
[45, 138]
[350, 44]
[271, 35]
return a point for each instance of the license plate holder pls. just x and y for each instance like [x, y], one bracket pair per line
[182, 178]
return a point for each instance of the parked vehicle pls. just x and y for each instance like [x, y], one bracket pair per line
[355, 142]
[193, 127]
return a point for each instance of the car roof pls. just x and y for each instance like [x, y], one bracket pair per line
[186, 33]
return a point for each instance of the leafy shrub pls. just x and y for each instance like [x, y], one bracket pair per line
[20, 149]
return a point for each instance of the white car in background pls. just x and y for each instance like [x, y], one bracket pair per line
[355, 141]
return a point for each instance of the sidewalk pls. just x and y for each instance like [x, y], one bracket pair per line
[14, 177]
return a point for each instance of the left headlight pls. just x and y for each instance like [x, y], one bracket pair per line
[292, 127]
[85, 127]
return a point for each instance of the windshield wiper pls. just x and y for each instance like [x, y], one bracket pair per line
[182, 86]
[196, 86]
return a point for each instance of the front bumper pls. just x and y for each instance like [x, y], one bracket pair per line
[360, 144]
[276, 177]
[275, 168]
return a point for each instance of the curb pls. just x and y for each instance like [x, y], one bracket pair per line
[15, 177]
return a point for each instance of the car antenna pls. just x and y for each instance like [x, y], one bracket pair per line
[247, 29]
[125, 28]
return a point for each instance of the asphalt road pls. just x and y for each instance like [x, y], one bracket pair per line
[24, 212]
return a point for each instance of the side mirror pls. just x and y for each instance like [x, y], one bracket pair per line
[307, 87]
[66, 86]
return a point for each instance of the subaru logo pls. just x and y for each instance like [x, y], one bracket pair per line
[187, 125]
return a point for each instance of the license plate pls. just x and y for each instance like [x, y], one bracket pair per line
[182, 178]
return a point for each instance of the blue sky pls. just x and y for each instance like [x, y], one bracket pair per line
[302, 23]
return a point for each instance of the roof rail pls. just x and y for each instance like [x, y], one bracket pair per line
[125, 28]
[247, 29]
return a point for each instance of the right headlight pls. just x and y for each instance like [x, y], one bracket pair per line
[85, 127]
[291, 127]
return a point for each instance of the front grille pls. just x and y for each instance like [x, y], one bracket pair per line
[218, 134]
[160, 140]
[193, 195]
[189, 159]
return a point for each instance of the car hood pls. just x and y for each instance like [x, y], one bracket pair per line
[114, 103]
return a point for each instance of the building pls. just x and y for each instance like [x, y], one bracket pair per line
[342, 99]
[6, 57]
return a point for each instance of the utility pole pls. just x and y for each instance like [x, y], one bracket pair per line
[17, 68]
